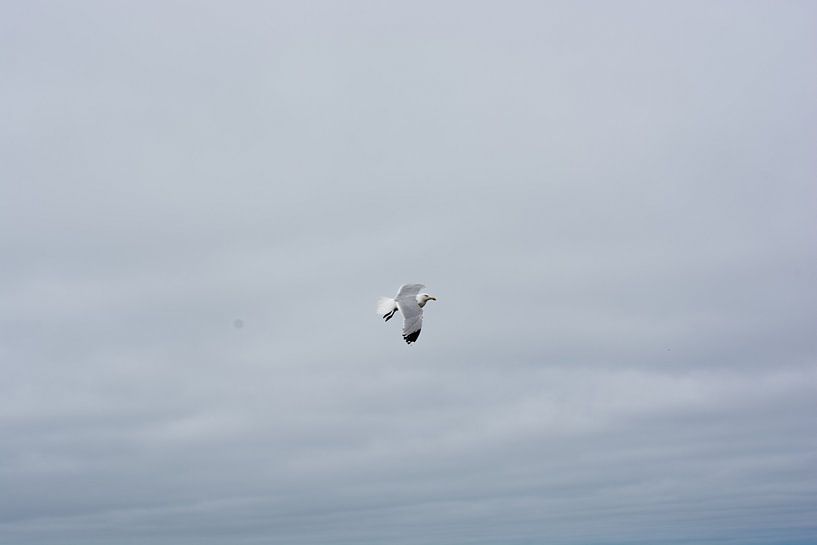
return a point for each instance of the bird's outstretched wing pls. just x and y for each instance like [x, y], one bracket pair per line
[412, 318]
[412, 312]
[409, 290]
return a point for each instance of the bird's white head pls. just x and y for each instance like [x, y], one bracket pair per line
[424, 298]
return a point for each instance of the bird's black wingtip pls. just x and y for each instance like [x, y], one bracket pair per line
[411, 337]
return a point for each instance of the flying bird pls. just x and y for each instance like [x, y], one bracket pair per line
[410, 302]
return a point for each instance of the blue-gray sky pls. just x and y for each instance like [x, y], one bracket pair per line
[613, 201]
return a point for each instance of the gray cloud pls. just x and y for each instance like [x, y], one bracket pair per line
[614, 204]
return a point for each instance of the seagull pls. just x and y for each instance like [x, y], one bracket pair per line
[410, 302]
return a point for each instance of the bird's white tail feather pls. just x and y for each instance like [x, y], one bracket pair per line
[385, 305]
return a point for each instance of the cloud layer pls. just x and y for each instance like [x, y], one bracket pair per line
[613, 204]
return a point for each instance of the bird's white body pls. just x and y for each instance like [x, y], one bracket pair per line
[387, 304]
[410, 302]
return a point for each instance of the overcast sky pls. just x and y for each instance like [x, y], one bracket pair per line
[614, 202]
